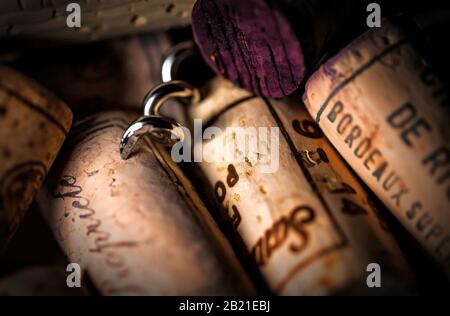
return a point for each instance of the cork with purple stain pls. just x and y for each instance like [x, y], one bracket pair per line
[251, 43]
[381, 103]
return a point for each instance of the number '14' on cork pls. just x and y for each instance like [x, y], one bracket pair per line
[305, 220]
[385, 110]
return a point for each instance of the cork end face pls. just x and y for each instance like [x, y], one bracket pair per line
[28, 89]
[251, 44]
[33, 126]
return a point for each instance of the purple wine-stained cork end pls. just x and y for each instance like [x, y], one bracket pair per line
[249, 43]
[375, 38]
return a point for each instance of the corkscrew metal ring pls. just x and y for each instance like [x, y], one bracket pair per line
[168, 90]
[174, 57]
[161, 129]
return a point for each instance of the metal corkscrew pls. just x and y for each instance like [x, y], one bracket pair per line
[162, 129]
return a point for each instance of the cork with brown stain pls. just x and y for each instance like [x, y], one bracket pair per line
[304, 218]
[33, 126]
[135, 226]
[385, 110]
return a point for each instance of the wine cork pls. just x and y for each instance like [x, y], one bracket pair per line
[48, 20]
[33, 126]
[384, 109]
[39, 281]
[270, 47]
[135, 226]
[250, 43]
[93, 76]
[302, 215]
